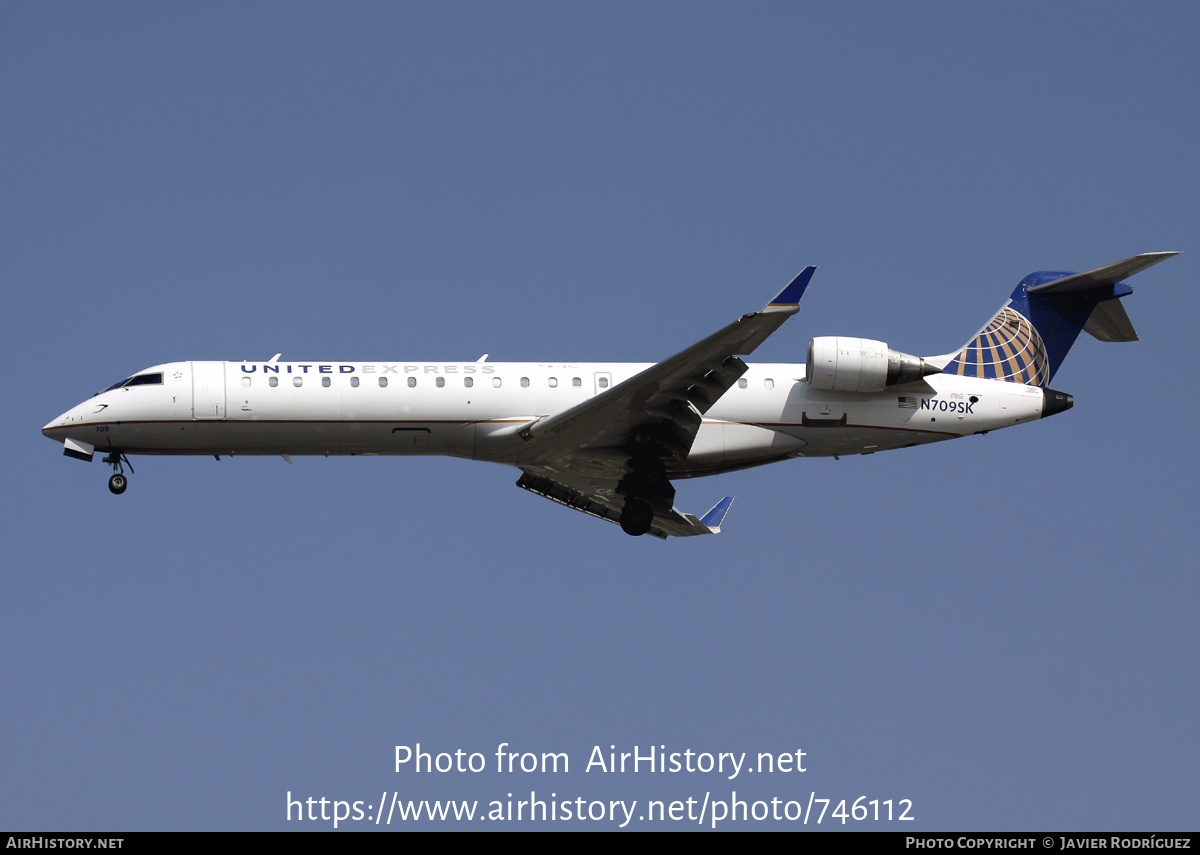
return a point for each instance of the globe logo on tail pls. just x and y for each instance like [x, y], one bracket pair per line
[1008, 348]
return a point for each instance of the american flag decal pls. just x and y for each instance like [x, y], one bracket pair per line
[906, 403]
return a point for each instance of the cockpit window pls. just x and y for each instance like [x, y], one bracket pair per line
[138, 380]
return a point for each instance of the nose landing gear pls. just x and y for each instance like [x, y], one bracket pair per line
[118, 482]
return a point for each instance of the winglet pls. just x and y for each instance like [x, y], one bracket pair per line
[788, 300]
[713, 519]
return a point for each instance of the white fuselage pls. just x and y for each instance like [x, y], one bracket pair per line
[477, 411]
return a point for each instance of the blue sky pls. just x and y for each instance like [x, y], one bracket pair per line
[1000, 629]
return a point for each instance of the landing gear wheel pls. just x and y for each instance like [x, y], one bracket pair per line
[118, 482]
[636, 517]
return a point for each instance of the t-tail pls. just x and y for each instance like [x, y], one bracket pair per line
[1027, 340]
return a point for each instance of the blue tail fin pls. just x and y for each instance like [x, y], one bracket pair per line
[1027, 340]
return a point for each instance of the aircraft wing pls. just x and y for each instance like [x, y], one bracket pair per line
[663, 404]
[600, 499]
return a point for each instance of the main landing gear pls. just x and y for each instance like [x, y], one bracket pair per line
[636, 517]
[118, 482]
[646, 481]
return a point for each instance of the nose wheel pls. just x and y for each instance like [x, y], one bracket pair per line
[118, 482]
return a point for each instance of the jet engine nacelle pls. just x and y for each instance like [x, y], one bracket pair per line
[842, 364]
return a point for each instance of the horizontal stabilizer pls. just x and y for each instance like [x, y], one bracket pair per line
[1109, 274]
[1109, 322]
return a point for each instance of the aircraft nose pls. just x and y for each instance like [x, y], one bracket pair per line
[60, 422]
[47, 431]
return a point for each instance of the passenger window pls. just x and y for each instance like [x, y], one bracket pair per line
[354, 382]
[273, 382]
[297, 382]
[468, 382]
[553, 381]
[576, 382]
[325, 382]
[496, 382]
[440, 382]
[382, 382]
[743, 383]
[412, 382]
[525, 382]
[769, 383]
[246, 382]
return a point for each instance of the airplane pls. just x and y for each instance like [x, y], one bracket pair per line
[608, 439]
